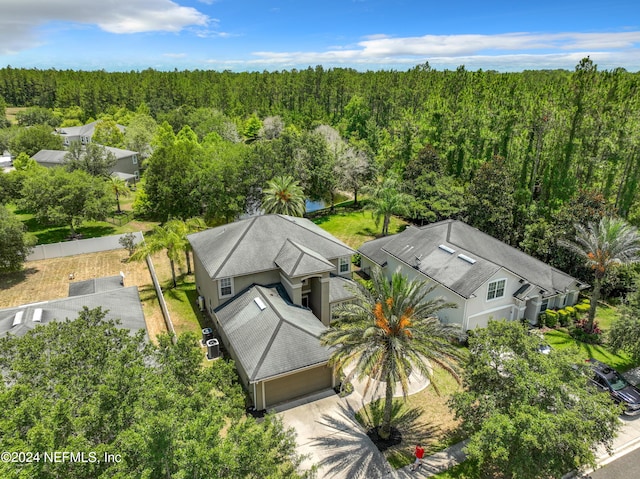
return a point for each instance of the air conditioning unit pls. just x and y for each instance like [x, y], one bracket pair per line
[201, 303]
[213, 349]
[207, 334]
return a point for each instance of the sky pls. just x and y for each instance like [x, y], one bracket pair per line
[257, 35]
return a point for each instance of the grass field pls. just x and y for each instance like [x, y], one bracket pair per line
[355, 227]
[10, 113]
[424, 418]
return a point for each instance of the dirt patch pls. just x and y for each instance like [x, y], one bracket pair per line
[49, 279]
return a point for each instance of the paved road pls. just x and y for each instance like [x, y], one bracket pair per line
[627, 467]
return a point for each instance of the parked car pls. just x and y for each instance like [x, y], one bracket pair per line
[607, 379]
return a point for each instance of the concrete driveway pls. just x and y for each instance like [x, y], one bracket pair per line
[332, 439]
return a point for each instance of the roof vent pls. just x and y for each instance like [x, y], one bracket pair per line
[444, 247]
[464, 257]
[260, 304]
[18, 318]
[37, 315]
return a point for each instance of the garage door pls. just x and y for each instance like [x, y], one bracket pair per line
[296, 385]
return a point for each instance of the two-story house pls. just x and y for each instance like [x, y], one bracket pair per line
[127, 164]
[83, 133]
[269, 283]
[484, 277]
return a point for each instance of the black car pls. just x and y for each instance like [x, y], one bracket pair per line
[607, 379]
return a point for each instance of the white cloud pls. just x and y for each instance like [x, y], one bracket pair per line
[20, 19]
[174, 55]
[501, 51]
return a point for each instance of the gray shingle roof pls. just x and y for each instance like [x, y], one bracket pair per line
[340, 289]
[296, 260]
[420, 248]
[95, 285]
[252, 245]
[123, 304]
[278, 339]
[55, 157]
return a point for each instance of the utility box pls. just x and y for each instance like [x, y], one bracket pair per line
[207, 334]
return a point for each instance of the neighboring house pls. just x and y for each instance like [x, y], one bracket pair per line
[83, 133]
[269, 283]
[126, 165]
[120, 303]
[485, 278]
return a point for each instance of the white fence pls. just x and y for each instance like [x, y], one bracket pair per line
[70, 248]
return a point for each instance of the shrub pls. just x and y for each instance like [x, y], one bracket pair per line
[563, 317]
[581, 309]
[579, 333]
[542, 318]
[552, 318]
[572, 312]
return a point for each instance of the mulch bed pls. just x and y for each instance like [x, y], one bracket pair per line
[394, 438]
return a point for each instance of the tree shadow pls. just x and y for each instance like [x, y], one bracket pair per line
[353, 454]
[411, 429]
[8, 280]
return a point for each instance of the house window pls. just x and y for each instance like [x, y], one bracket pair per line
[136, 174]
[135, 159]
[496, 289]
[544, 305]
[225, 287]
[343, 265]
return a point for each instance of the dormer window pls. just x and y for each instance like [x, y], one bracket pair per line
[344, 265]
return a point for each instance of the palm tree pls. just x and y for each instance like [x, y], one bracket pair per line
[184, 228]
[386, 199]
[283, 195]
[603, 246]
[161, 238]
[389, 331]
[119, 188]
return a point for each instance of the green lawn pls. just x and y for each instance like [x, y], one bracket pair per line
[606, 314]
[356, 227]
[559, 339]
[47, 234]
[182, 304]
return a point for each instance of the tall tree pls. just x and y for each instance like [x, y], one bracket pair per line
[57, 196]
[388, 332]
[529, 415]
[108, 133]
[490, 199]
[184, 228]
[16, 242]
[119, 188]
[93, 387]
[386, 199]
[283, 195]
[603, 246]
[33, 139]
[161, 238]
[94, 158]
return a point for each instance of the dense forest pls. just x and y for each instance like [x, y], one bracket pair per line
[523, 156]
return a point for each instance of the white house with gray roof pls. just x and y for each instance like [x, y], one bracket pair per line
[83, 133]
[269, 283]
[485, 278]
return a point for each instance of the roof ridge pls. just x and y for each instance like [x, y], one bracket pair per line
[235, 246]
[330, 238]
[263, 356]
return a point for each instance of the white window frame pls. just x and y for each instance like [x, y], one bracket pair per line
[136, 174]
[225, 286]
[135, 159]
[344, 261]
[496, 282]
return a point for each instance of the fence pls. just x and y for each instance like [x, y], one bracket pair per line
[70, 248]
[163, 304]
[121, 219]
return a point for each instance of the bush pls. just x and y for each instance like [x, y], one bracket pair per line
[579, 332]
[581, 309]
[572, 312]
[551, 318]
[563, 317]
[542, 318]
